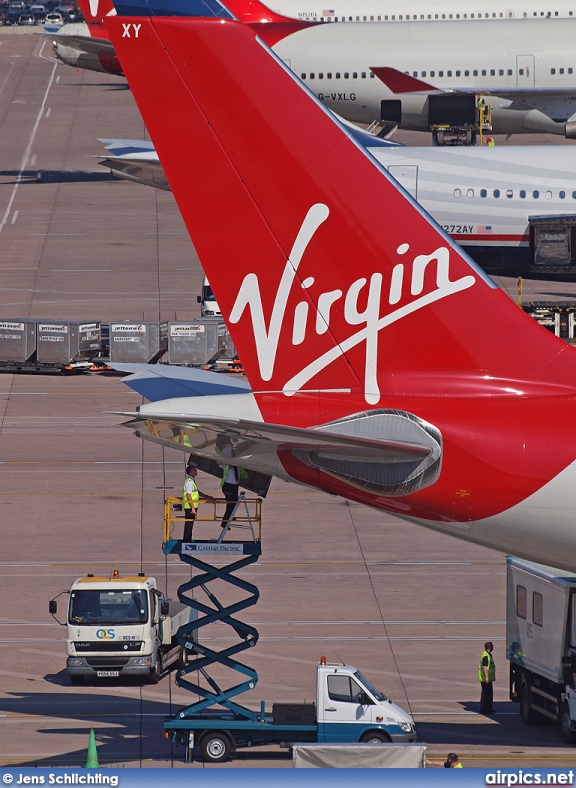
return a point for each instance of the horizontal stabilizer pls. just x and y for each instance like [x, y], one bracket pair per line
[95, 46]
[149, 173]
[384, 452]
[162, 381]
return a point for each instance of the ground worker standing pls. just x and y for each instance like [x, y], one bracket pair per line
[190, 498]
[229, 485]
[487, 677]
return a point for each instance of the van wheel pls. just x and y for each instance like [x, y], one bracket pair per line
[568, 733]
[216, 747]
[529, 716]
[375, 737]
[182, 660]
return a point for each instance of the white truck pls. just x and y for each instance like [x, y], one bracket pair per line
[541, 643]
[348, 709]
[121, 626]
[208, 304]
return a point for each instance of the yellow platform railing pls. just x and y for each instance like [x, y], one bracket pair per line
[248, 515]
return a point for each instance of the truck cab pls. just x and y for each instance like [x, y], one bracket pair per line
[120, 626]
[350, 708]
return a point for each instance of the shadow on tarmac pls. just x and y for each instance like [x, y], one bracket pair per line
[56, 176]
[128, 729]
[131, 729]
[505, 728]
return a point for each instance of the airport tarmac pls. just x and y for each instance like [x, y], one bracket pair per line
[79, 493]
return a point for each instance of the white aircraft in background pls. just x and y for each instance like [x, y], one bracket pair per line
[418, 10]
[482, 196]
[384, 365]
[526, 64]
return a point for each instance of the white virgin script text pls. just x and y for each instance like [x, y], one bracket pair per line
[369, 320]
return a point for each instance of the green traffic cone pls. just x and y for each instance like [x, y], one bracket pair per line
[92, 759]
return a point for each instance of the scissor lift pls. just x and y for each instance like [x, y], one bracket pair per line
[247, 517]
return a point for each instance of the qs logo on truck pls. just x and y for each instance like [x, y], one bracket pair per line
[105, 634]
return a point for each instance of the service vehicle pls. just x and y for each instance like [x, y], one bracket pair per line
[207, 301]
[541, 643]
[121, 626]
[348, 709]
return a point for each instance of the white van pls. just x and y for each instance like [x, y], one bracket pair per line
[209, 305]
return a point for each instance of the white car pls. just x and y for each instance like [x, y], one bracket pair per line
[54, 19]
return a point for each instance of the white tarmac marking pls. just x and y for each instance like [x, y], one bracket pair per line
[26, 156]
[7, 77]
[14, 217]
[58, 79]
[48, 111]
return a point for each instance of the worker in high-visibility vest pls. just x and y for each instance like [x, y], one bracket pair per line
[487, 677]
[190, 498]
[229, 484]
[452, 761]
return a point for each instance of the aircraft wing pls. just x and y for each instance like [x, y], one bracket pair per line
[93, 54]
[558, 103]
[86, 44]
[137, 160]
[385, 452]
[149, 173]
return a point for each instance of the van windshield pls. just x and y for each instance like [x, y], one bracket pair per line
[207, 294]
[370, 687]
[120, 606]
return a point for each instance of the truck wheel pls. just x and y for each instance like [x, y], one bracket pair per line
[375, 737]
[77, 679]
[568, 733]
[154, 676]
[529, 716]
[216, 747]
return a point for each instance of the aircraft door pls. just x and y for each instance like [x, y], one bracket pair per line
[407, 176]
[525, 71]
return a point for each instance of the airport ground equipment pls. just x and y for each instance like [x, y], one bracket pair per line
[559, 317]
[348, 708]
[197, 342]
[138, 343]
[541, 643]
[121, 626]
[33, 344]
[552, 244]
[458, 119]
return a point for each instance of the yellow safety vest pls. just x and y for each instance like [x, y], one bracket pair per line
[491, 668]
[195, 496]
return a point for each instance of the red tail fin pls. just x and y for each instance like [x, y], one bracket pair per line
[329, 276]
[94, 12]
[252, 11]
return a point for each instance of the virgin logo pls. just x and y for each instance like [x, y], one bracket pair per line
[369, 321]
[94, 8]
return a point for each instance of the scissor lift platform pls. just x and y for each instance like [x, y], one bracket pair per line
[197, 554]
